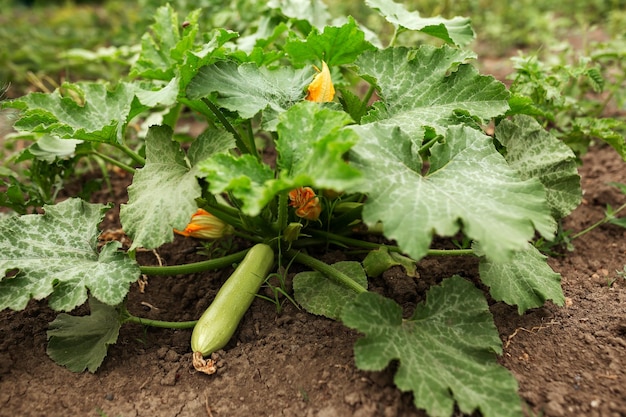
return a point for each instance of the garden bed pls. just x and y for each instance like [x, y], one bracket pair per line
[569, 361]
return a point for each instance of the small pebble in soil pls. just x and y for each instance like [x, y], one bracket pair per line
[554, 409]
[172, 356]
[109, 397]
[352, 399]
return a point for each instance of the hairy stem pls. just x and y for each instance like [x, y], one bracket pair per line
[208, 265]
[368, 96]
[283, 199]
[134, 155]
[348, 241]
[243, 147]
[326, 270]
[606, 219]
[115, 162]
[160, 323]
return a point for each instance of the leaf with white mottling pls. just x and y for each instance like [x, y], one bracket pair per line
[429, 87]
[85, 111]
[164, 46]
[469, 186]
[164, 192]
[536, 153]
[457, 30]
[313, 11]
[249, 179]
[312, 142]
[56, 255]
[526, 280]
[445, 350]
[248, 89]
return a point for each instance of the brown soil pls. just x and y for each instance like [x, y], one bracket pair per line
[569, 361]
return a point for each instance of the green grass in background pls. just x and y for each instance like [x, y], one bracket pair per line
[34, 38]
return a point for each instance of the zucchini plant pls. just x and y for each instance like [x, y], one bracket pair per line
[370, 136]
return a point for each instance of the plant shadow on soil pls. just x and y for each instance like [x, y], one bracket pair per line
[569, 361]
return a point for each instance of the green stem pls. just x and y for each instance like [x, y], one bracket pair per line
[368, 96]
[326, 270]
[243, 147]
[450, 252]
[283, 199]
[248, 237]
[133, 155]
[171, 118]
[226, 214]
[429, 144]
[160, 323]
[208, 265]
[397, 31]
[348, 241]
[251, 143]
[113, 161]
[198, 106]
[606, 219]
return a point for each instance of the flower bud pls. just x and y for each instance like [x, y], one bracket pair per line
[306, 203]
[292, 232]
[204, 225]
[321, 90]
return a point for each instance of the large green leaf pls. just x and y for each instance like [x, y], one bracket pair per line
[248, 89]
[526, 280]
[469, 185]
[535, 152]
[610, 130]
[211, 50]
[323, 296]
[311, 145]
[457, 30]
[164, 46]
[56, 254]
[169, 51]
[164, 192]
[249, 179]
[336, 45]
[446, 350]
[430, 87]
[312, 142]
[157, 93]
[81, 342]
[86, 111]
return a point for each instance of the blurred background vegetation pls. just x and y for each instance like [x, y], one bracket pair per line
[566, 59]
[44, 42]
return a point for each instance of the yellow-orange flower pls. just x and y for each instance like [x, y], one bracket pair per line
[321, 90]
[306, 203]
[204, 225]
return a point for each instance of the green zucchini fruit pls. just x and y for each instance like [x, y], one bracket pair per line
[220, 320]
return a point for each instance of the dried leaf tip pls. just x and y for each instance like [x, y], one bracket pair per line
[321, 90]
